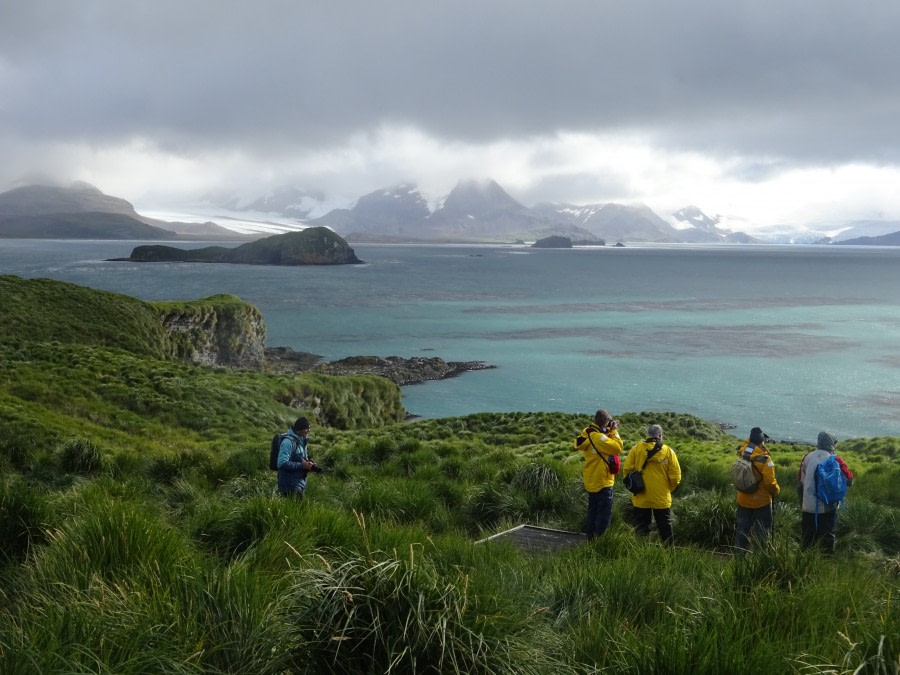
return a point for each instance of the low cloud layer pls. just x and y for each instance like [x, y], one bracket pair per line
[767, 111]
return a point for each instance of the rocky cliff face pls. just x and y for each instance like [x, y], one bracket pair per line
[218, 331]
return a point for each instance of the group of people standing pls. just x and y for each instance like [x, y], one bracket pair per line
[657, 463]
[651, 472]
[660, 474]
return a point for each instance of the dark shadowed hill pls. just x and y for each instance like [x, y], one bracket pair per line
[892, 239]
[81, 211]
[312, 246]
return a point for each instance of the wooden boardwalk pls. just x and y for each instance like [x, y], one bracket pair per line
[532, 539]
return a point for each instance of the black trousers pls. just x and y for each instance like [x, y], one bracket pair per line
[641, 519]
[821, 532]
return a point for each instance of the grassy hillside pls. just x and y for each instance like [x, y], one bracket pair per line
[75, 360]
[41, 310]
[141, 532]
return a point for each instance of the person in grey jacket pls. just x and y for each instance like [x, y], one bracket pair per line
[819, 520]
[293, 460]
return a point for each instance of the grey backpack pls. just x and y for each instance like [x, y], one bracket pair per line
[745, 476]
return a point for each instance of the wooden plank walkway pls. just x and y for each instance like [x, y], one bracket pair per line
[533, 539]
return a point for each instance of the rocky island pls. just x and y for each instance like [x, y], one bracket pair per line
[399, 370]
[554, 241]
[312, 246]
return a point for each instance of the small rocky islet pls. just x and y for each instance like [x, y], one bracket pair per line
[401, 371]
[312, 246]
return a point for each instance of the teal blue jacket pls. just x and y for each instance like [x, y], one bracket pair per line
[291, 454]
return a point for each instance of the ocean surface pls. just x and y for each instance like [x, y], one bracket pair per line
[795, 339]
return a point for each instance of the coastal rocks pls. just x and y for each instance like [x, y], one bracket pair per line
[399, 370]
[225, 331]
[286, 360]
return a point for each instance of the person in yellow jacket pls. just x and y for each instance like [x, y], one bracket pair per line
[600, 444]
[754, 509]
[662, 474]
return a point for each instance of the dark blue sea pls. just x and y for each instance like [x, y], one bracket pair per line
[795, 339]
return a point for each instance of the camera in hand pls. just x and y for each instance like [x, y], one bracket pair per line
[315, 468]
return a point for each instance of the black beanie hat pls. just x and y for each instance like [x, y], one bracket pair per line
[757, 437]
[301, 423]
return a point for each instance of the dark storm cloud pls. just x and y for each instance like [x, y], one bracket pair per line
[815, 81]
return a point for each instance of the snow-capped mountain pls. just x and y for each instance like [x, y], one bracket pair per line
[615, 222]
[390, 213]
[695, 226]
[473, 211]
[484, 210]
[288, 201]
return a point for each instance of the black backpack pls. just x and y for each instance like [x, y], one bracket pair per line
[276, 446]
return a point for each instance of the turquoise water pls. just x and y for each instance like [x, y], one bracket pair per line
[795, 339]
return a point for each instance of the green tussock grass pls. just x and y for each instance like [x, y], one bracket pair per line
[142, 533]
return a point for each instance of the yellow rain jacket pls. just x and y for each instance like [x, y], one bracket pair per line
[661, 475]
[596, 473]
[768, 486]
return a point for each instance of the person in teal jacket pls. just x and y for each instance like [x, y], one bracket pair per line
[293, 460]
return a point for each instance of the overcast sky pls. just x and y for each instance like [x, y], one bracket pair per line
[771, 111]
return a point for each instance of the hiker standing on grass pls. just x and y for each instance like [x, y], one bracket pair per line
[819, 520]
[600, 444]
[662, 474]
[293, 460]
[755, 511]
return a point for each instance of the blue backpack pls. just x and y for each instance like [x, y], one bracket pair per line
[831, 483]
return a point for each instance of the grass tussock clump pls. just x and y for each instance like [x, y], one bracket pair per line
[119, 542]
[386, 614]
[25, 518]
[83, 457]
[706, 519]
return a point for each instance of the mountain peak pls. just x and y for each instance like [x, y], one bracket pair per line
[81, 186]
[479, 196]
[692, 215]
